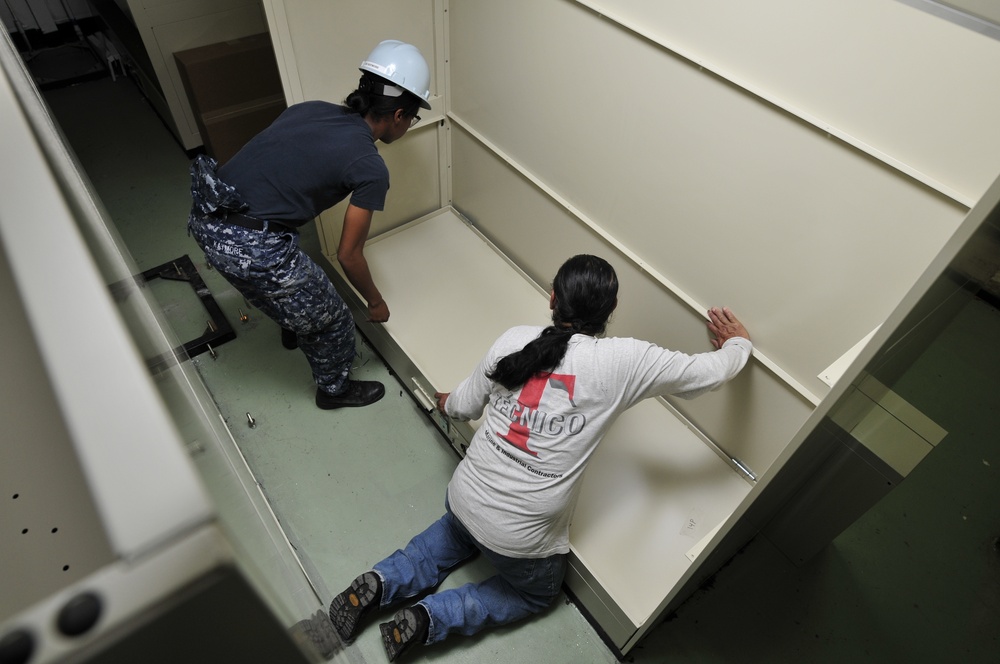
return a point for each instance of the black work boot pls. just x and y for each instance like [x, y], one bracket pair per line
[289, 339]
[355, 393]
[349, 607]
[406, 628]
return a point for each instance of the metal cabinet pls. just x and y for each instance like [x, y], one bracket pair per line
[711, 169]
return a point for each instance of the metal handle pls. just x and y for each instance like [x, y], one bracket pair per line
[426, 400]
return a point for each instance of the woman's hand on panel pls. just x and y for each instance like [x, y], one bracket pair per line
[724, 325]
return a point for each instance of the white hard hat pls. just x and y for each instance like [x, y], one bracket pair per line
[403, 65]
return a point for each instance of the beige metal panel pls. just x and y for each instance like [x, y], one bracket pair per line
[95, 454]
[653, 491]
[143, 485]
[734, 201]
[864, 70]
[752, 419]
[320, 44]
[284, 53]
[437, 275]
[52, 534]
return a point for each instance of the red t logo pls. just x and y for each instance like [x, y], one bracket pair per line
[526, 413]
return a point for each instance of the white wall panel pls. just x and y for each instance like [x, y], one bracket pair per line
[903, 83]
[735, 201]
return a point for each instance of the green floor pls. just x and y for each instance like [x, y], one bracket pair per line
[917, 579]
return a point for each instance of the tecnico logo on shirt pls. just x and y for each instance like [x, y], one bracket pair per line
[526, 418]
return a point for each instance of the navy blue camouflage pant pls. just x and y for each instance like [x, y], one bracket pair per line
[278, 278]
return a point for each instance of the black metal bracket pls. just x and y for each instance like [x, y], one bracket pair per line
[218, 331]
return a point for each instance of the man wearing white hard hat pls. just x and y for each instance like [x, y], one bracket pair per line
[246, 213]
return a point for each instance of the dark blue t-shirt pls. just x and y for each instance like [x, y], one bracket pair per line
[311, 158]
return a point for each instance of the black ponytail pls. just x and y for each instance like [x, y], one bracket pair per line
[369, 100]
[586, 292]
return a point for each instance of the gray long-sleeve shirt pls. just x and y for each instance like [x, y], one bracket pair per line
[517, 486]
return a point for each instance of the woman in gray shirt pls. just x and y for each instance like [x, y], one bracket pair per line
[549, 395]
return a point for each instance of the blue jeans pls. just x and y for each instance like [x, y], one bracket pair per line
[278, 278]
[522, 587]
